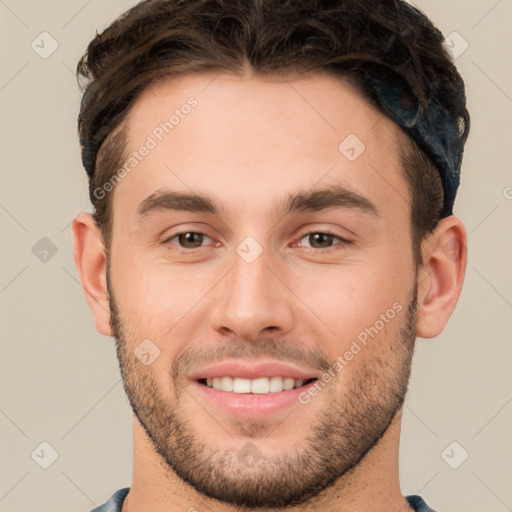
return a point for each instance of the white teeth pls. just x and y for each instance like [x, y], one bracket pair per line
[276, 384]
[239, 385]
[226, 383]
[288, 384]
[260, 386]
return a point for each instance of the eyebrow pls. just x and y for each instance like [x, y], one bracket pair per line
[336, 196]
[307, 201]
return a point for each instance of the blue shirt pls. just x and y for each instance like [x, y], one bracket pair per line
[115, 503]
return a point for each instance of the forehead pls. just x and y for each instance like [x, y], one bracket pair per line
[245, 140]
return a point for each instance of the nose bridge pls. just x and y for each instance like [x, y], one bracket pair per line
[250, 298]
[250, 279]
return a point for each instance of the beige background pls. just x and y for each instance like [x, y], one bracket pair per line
[59, 380]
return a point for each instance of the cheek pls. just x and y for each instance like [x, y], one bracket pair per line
[343, 303]
[155, 298]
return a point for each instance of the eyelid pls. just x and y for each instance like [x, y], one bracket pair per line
[180, 229]
[168, 239]
[325, 230]
[342, 239]
[303, 233]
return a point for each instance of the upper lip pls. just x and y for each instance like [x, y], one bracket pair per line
[252, 370]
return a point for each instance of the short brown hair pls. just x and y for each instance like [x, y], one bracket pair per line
[344, 38]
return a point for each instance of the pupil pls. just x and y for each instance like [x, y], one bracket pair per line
[190, 240]
[320, 239]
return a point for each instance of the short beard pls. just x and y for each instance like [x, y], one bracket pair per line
[352, 423]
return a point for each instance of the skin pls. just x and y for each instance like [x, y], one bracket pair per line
[249, 143]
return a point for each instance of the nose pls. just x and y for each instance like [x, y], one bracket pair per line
[252, 301]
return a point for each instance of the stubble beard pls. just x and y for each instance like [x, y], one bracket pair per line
[352, 422]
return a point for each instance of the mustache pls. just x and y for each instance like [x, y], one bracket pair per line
[263, 348]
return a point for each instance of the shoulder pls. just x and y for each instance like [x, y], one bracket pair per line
[115, 502]
[418, 503]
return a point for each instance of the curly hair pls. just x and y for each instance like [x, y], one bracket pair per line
[351, 39]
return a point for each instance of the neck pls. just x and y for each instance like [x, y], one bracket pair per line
[373, 485]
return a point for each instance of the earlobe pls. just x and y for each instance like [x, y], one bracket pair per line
[441, 276]
[91, 261]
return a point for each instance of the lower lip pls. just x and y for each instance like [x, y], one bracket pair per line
[248, 405]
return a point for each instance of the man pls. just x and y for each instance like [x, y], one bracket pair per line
[273, 185]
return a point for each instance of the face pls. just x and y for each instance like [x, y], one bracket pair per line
[258, 247]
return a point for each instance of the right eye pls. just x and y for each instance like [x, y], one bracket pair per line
[188, 239]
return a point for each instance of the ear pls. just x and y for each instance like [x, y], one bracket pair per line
[91, 262]
[441, 277]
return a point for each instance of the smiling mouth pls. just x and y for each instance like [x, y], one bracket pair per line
[259, 386]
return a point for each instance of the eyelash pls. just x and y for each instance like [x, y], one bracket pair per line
[343, 241]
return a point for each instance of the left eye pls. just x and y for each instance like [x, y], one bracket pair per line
[320, 240]
[189, 240]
